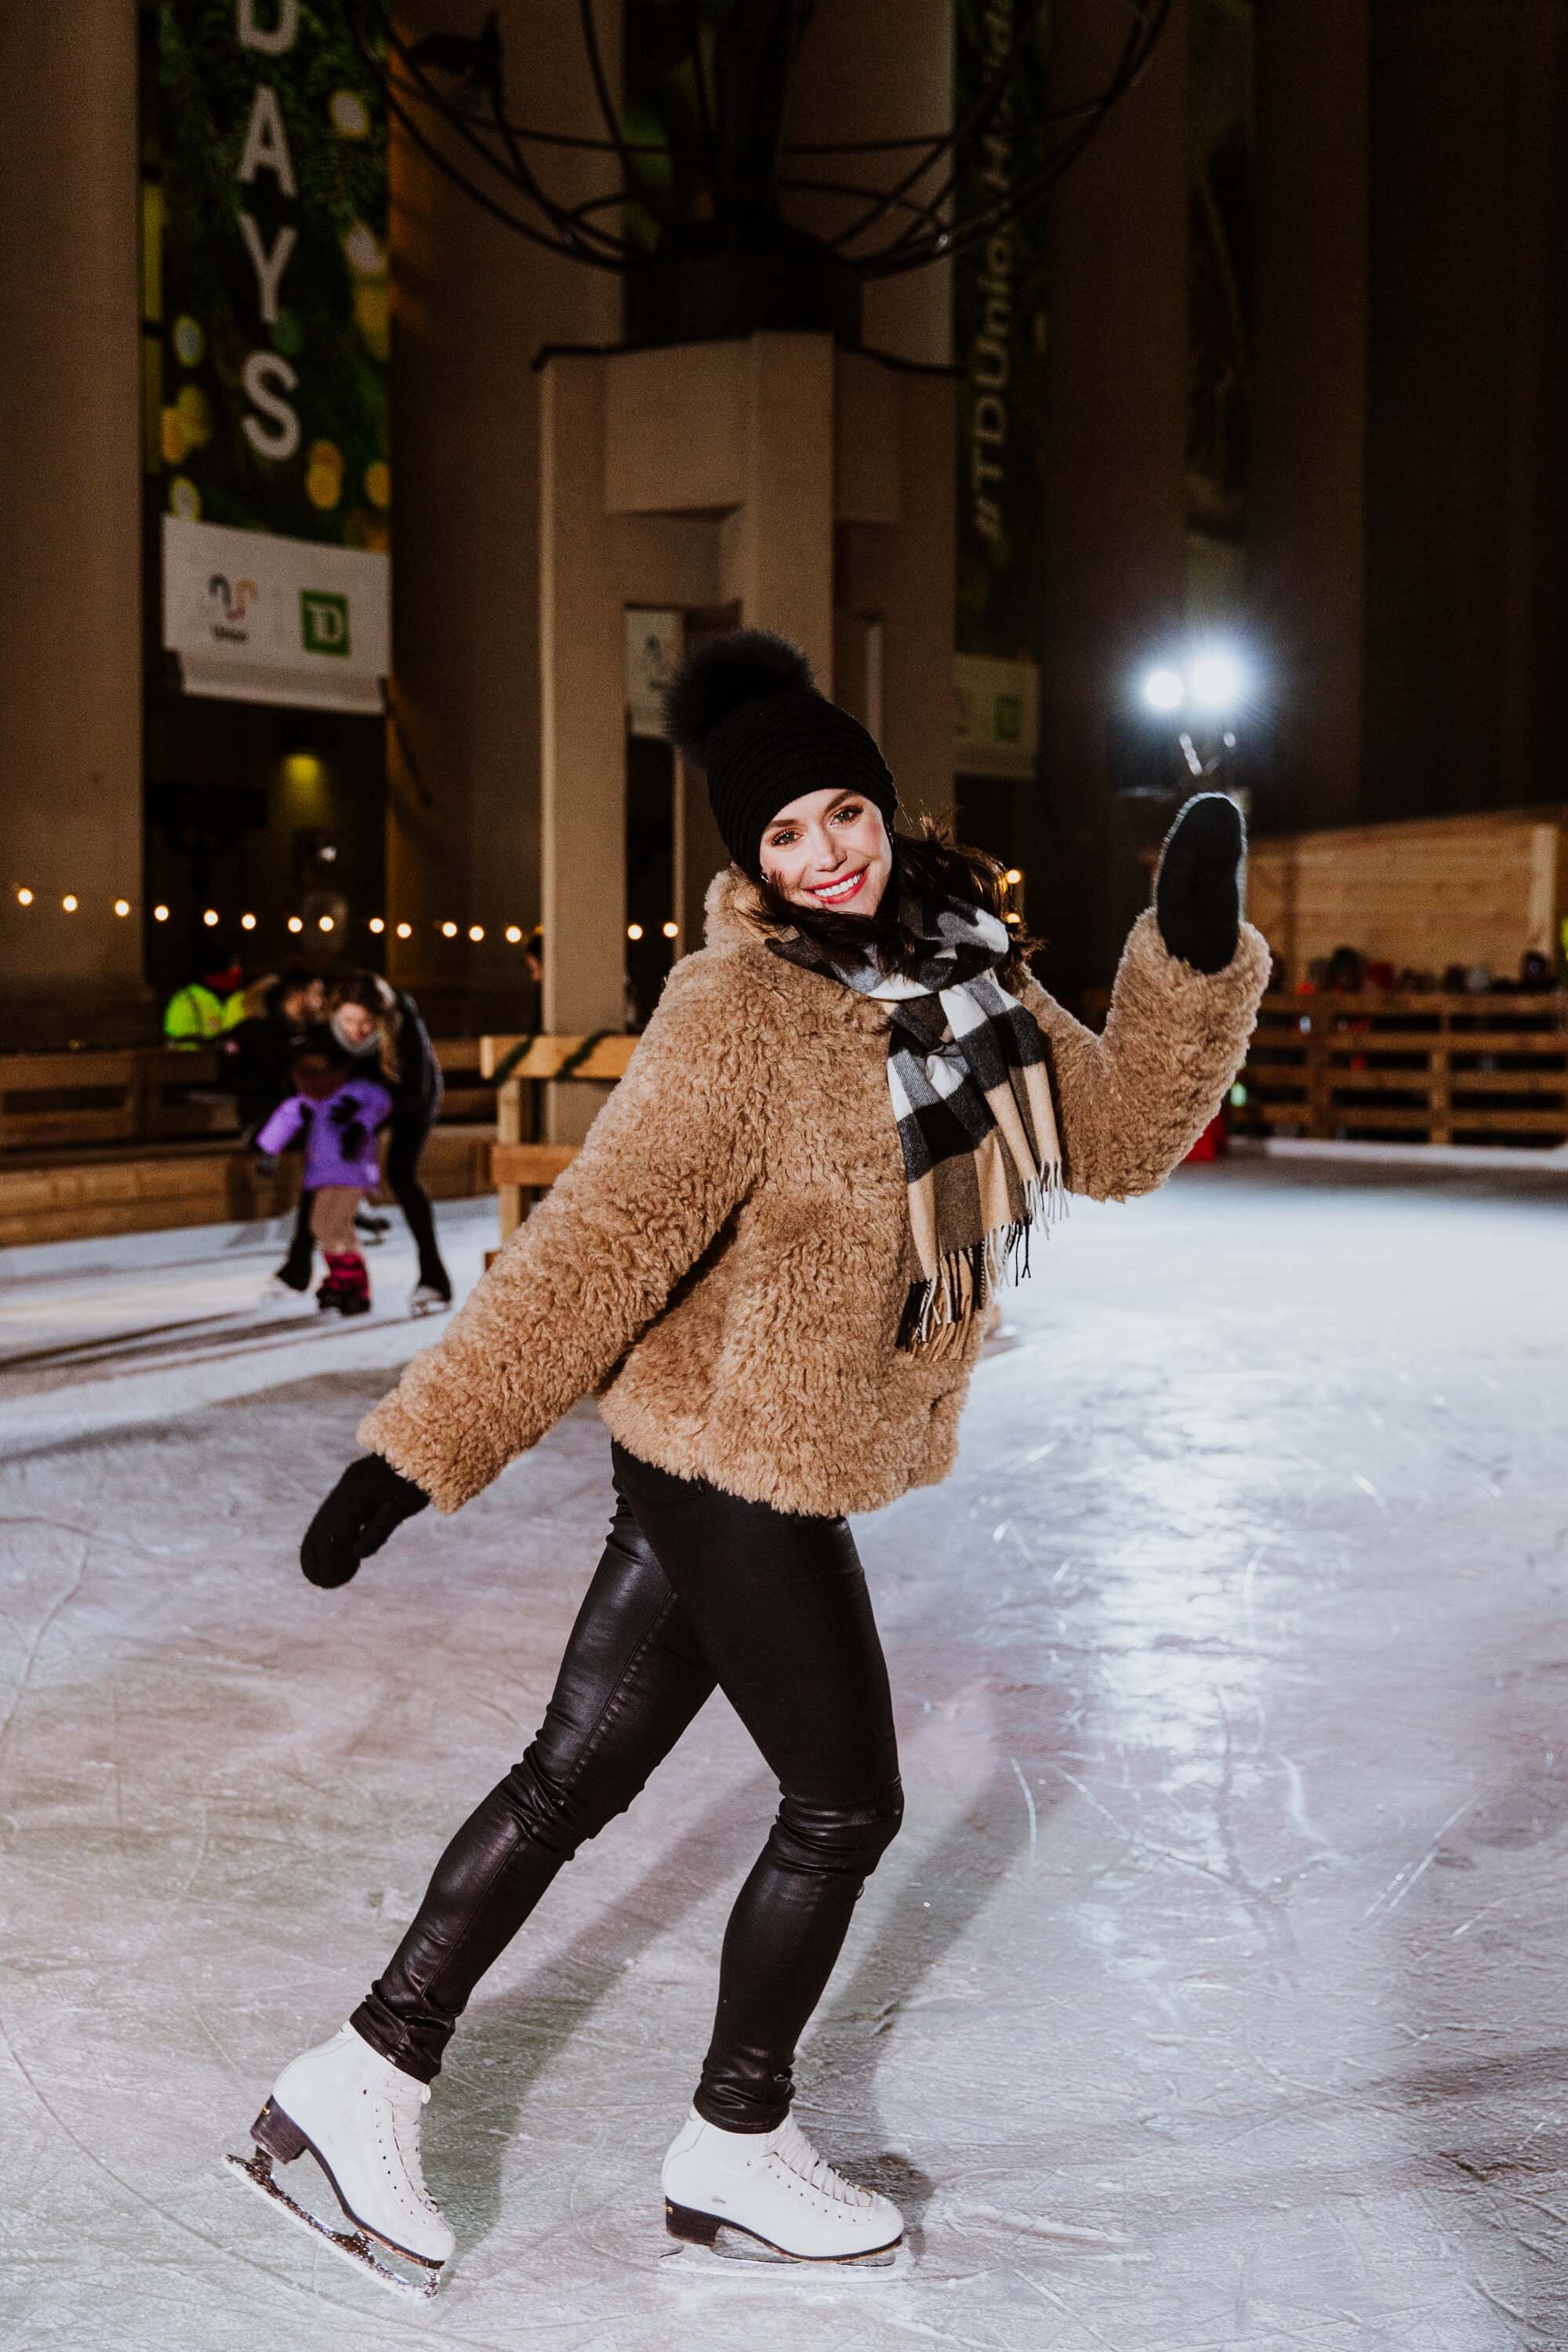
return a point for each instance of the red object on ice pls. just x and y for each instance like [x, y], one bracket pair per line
[1212, 1143]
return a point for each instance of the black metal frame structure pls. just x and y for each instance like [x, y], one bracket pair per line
[449, 93]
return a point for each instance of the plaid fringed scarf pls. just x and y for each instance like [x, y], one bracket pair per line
[972, 1100]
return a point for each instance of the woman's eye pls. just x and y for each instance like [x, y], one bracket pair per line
[851, 810]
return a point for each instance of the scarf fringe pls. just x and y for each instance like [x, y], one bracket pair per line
[937, 1312]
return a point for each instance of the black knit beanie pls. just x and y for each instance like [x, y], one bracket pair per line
[744, 708]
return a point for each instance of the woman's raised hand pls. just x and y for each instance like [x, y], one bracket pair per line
[1198, 890]
[370, 1501]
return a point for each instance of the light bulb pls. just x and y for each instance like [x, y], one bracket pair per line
[1217, 679]
[476, 931]
[1015, 876]
[672, 930]
[634, 931]
[69, 902]
[513, 935]
[325, 923]
[296, 923]
[377, 926]
[449, 930]
[122, 906]
[160, 914]
[247, 922]
[1163, 690]
[210, 919]
[406, 930]
[23, 896]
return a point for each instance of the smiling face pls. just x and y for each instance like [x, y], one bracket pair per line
[828, 849]
[356, 1024]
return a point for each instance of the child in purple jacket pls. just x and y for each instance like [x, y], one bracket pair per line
[340, 1113]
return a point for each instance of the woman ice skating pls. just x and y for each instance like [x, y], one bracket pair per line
[851, 1112]
[380, 1026]
[338, 1110]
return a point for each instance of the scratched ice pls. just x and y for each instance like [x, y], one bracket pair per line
[1212, 1997]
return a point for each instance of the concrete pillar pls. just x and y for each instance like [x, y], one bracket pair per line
[583, 777]
[70, 521]
[473, 305]
[778, 551]
[1308, 470]
[1114, 453]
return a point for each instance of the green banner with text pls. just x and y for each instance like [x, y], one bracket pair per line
[272, 135]
[999, 331]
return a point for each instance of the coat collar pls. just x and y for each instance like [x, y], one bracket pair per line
[733, 916]
[734, 922]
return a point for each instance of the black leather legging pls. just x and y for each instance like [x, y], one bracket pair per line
[696, 1590]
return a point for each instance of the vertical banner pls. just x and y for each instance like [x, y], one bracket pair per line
[999, 332]
[278, 485]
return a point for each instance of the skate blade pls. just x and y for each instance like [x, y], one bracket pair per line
[354, 2246]
[733, 2253]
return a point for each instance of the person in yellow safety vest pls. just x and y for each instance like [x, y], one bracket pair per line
[208, 1005]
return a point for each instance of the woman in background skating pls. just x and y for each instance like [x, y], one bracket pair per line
[380, 1025]
[768, 1263]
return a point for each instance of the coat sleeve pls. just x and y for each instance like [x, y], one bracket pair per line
[282, 1127]
[1132, 1102]
[667, 1159]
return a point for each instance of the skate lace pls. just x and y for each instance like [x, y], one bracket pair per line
[405, 2106]
[793, 2149]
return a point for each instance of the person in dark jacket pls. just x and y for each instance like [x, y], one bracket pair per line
[258, 1052]
[380, 1025]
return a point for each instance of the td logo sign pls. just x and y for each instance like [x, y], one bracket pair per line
[323, 622]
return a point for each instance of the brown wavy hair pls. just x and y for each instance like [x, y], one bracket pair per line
[930, 862]
[369, 990]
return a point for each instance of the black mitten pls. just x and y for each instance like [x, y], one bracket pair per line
[1198, 890]
[369, 1502]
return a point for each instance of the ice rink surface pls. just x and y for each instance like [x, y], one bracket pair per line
[1213, 1999]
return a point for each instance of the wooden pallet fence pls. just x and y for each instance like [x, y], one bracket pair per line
[1435, 1068]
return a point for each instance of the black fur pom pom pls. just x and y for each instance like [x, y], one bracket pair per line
[722, 673]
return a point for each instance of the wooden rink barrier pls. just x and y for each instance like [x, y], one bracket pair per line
[515, 1066]
[143, 1138]
[1434, 1067]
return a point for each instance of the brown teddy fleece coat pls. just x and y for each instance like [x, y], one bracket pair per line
[721, 1266]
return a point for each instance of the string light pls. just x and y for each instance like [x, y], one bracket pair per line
[476, 932]
[160, 914]
[69, 902]
[23, 896]
[449, 930]
[324, 923]
[634, 931]
[210, 919]
[247, 922]
[122, 906]
[406, 930]
[295, 924]
[377, 926]
[1015, 876]
[672, 930]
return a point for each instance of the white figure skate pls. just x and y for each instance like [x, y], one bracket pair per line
[777, 2193]
[358, 2116]
[426, 1299]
